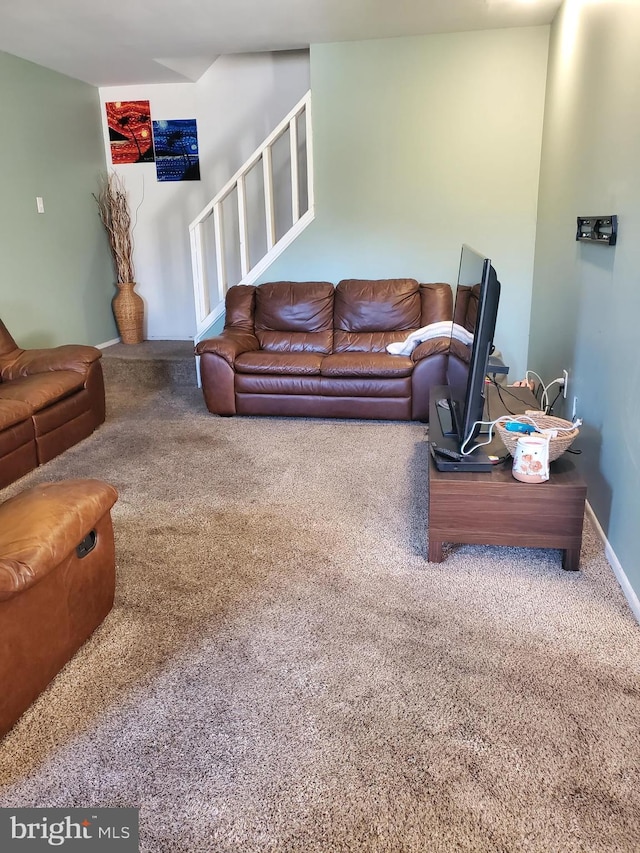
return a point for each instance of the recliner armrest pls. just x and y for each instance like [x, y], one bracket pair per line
[40, 527]
[76, 357]
[229, 345]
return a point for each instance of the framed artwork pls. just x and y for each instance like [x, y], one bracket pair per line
[176, 146]
[130, 132]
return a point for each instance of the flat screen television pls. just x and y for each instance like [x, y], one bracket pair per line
[476, 308]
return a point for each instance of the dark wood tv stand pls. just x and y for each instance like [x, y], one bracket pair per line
[493, 508]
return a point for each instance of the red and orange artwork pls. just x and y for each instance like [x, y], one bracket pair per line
[130, 132]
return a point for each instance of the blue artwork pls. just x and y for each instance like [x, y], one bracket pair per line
[176, 146]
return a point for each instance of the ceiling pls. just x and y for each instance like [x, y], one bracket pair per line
[116, 42]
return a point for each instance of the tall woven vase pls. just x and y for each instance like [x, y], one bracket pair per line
[128, 309]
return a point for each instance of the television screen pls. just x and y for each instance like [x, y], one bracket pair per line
[476, 308]
[465, 314]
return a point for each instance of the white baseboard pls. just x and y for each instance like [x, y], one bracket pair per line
[150, 338]
[623, 580]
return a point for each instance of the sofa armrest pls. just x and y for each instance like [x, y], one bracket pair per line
[229, 344]
[430, 347]
[441, 345]
[67, 357]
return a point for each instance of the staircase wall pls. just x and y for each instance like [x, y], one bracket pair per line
[236, 104]
[419, 145]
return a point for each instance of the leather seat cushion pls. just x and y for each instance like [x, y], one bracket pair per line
[299, 363]
[320, 342]
[13, 412]
[367, 341]
[42, 389]
[373, 364]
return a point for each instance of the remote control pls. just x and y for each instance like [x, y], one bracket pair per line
[444, 451]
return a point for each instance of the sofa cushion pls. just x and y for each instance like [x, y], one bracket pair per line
[437, 302]
[7, 343]
[375, 364]
[365, 308]
[367, 341]
[13, 412]
[240, 303]
[384, 305]
[263, 361]
[42, 389]
[467, 300]
[294, 316]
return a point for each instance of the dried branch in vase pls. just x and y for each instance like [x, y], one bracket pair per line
[113, 207]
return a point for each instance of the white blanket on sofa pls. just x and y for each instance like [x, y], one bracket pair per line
[443, 329]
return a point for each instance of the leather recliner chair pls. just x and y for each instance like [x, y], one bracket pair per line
[57, 583]
[50, 399]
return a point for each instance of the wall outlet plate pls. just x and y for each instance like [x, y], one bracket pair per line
[565, 373]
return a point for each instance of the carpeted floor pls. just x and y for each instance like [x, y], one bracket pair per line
[283, 672]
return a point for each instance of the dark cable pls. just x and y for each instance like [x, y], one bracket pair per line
[549, 409]
[499, 388]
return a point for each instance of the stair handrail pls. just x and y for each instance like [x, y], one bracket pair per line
[206, 314]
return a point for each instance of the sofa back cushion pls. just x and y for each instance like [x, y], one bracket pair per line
[466, 310]
[437, 303]
[9, 349]
[292, 316]
[370, 314]
[239, 306]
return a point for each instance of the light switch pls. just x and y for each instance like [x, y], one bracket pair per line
[39, 204]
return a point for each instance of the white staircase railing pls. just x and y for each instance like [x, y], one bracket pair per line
[261, 213]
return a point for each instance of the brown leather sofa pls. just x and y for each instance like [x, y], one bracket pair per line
[57, 582]
[49, 400]
[312, 349]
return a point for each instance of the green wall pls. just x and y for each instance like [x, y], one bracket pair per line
[56, 274]
[421, 144]
[587, 298]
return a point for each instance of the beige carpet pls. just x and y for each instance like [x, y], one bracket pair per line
[283, 670]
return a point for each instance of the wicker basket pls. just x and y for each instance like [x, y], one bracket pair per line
[557, 446]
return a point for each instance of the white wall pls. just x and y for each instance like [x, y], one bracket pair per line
[236, 104]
